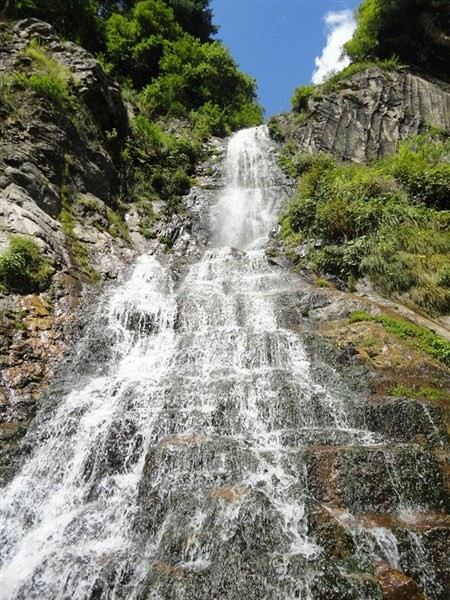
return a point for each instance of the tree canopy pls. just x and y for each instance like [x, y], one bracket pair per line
[161, 48]
[417, 31]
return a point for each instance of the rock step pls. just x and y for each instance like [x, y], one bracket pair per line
[377, 479]
[411, 421]
[420, 521]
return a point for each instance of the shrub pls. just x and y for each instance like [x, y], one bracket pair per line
[302, 94]
[156, 164]
[22, 268]
[414, 31]
[332, 83]
[379, 221]
[369, 18]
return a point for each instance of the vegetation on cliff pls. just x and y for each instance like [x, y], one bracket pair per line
[181, 87]
[386, 221]
[416, 31]
[22, 268]
[164, 51]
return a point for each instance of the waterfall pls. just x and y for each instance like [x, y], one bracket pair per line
[179, 469]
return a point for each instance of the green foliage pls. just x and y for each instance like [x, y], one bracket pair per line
[162, 48]
[401, 391]
[195, 17]
[117, 226]
[161, 51]
[418, 337]
[22, 268]
[416, 32]
[275, 129]
[202, 80]
[424, 170]
[302, 94]
[332, 83]
[135, 42]
[51, 79]
[47, 87]
[157, 164]
[380, 221]
[369, 18]
[73, 19]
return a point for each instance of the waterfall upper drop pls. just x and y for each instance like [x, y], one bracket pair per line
[248, 207]
[194, 451]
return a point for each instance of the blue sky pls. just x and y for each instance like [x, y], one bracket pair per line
[278, 41]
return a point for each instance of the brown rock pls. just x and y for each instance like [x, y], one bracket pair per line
[396, 585]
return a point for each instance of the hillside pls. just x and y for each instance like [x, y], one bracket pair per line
[225, 345]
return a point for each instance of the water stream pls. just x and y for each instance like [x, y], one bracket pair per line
[176, 469]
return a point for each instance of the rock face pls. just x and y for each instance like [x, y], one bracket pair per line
[53, 159]
[368, 114]
[46, 152]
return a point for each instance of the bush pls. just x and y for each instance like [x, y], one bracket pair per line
[302, 94]
[369, 18]
[51, 80]
[22, 268]
[379, 221]
[414, 31]
[332, 83]
[158, 165]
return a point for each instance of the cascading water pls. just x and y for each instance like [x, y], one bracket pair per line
[179, 470]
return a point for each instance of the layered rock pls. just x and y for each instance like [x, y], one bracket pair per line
[52, 158]
[368, 114]
[46, 152]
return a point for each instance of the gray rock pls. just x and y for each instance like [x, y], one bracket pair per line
[369, 114]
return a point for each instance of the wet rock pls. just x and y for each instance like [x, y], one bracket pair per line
[382, 480]
[425, 558]
[396, 585]
[408, 420]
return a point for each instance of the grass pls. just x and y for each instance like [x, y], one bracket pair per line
[302, 94]
[413, 335]
[23, 270]
[387, 221]
[404, 391]
[50, 80]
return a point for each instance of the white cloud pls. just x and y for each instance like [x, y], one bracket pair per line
[339, 28]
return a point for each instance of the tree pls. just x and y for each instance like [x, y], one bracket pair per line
[417, 31]
[76, 20]
[135, 42]
[203, 78]
[195, 17]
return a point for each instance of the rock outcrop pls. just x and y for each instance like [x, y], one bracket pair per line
[58, 184]
[47, 153]
[368, 114]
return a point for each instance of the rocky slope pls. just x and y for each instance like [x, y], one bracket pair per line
[51, 159]
[60, 185]
[406, 396]
[367, 114]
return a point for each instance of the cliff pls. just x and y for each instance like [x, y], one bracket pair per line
[59, 185]
[364, 116]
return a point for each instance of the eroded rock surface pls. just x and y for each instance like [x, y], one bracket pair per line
[369, 114]
[53, 159]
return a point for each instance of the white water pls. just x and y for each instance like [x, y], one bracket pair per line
[186, 452]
